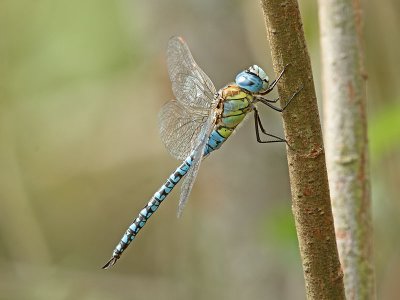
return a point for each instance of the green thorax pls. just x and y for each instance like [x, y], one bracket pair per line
[235, 104]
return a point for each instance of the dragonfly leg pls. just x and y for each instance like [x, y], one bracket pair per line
[273, 83]
[258, 126]
[268, 102]
[271, 100]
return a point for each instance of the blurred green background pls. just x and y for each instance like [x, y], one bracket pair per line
[81, 86]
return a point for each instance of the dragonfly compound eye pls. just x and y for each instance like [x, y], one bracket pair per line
[249, 81]
[254, 79]
[260, 73]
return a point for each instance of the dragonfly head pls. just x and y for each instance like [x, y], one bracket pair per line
[254, 79]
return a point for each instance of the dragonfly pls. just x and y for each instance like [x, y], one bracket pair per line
[198, 122]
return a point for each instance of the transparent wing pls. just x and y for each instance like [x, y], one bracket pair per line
[198, 154]
[191, 86]
[182, 120]
[179, 128]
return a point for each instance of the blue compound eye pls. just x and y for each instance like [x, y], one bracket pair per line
[249, 81]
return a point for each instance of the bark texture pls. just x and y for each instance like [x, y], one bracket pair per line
[346, 141]
[309, 183]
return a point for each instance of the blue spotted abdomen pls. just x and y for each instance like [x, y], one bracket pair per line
[149, 209]
[214, 142]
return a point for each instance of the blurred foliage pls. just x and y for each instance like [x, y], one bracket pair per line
[384, 132]
[280, 230]
[48, 45]
[81, 86]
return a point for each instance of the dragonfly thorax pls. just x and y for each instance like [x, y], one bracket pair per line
[254, 79]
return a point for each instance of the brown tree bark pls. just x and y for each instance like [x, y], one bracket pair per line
[307, 170]
[344, 96]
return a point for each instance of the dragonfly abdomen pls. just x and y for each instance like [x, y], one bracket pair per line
[215, 141]
[148, 210]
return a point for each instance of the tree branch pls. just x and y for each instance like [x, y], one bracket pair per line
[346, 142]
[309, 183]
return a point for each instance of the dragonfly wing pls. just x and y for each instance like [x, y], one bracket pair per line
[197, 154]
[191, 86]
[179, 128]
[181, 121]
